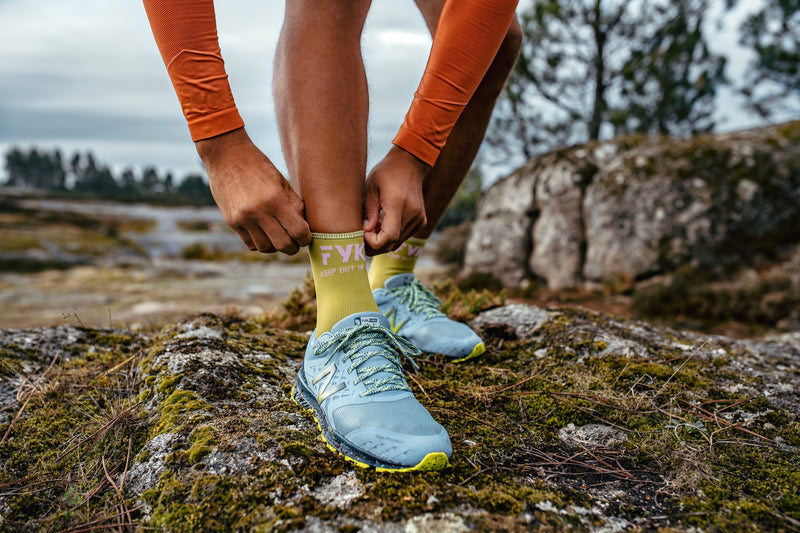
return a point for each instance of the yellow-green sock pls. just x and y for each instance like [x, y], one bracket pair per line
[339, 266]
[400, 261]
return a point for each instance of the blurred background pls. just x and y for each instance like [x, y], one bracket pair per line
[106, 218]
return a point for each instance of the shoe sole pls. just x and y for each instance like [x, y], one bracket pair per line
[479, 349]
[303, 397]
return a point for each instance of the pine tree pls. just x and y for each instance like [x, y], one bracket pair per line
[772, 83]
[590, 69]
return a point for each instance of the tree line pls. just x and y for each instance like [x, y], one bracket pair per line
[82, 176]
[596, 69]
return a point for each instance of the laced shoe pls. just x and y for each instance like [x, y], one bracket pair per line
[353, 381]
[414, 314]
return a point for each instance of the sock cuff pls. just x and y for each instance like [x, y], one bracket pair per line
[337, 236]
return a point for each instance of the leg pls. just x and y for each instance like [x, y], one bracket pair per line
[352, 376]
[321, 104]
[456, 158]
[397, 292]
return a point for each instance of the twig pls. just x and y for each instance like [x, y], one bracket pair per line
[731, 425]
[691, 356]
[518, 383]
[98, 434]
[121, 505]
[414, 379]
[5, 436]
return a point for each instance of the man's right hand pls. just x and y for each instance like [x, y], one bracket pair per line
[255, 199]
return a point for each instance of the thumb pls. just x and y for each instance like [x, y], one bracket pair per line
[372, 209]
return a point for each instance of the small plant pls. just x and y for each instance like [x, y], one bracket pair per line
[464, 306]
[298, 312]
[202, 252]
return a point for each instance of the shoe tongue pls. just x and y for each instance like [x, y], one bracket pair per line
[357, 319]
[398, 280]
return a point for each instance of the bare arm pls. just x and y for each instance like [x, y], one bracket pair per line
[255, 199]
[466, 40]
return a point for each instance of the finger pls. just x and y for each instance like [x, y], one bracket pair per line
[370, 239]
[295, 226]
[391, 225]
[413, 227]
[262, 242]
[372, 209]
[279, 237]
[245, 238]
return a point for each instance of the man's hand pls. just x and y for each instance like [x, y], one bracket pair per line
[394, 208]
[255, 199]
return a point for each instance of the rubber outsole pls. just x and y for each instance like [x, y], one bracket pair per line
[300, 393]
[479, 349]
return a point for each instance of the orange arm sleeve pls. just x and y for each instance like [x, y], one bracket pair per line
[467, 38]
[186, 34]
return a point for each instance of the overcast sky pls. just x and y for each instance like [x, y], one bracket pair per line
[86, 75]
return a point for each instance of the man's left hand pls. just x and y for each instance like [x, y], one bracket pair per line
[394, 208]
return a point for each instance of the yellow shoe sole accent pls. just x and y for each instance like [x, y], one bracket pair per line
[432, 461]
[476, 351]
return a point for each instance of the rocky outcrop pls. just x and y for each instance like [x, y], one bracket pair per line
[571, 420]
[636, 207]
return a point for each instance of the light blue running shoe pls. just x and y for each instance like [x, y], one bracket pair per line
[413, 313]
[353, 381]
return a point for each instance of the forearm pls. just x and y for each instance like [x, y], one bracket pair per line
[186, 34]
[466, 41]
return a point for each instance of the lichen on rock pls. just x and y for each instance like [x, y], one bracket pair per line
[637, 207]
[571, 420]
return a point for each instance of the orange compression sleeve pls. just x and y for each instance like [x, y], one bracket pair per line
[186, 34]
[468, 35]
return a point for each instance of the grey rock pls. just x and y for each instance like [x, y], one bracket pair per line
[144, 474]
[501, 244]
[558, 230]
[431, 523]
[340, 491]
[524, 320]
[636, 208]
[591, 436]
[218, 420]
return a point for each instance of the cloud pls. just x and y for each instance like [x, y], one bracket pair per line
[87, 75]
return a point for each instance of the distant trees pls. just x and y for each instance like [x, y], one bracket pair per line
[41, 171]
[85, 177]
[772, 83]
[591, 69]
[669, 84]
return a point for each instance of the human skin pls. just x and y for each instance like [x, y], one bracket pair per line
[323, 125]
[322, 105]
[440, 183]
[255, 199]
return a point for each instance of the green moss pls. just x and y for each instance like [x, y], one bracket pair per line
[503, 412]
[167, 384]
[298, 449]
[202, 440]
[78, 418]
[177, 408]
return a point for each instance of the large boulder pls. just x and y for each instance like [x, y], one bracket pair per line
[636, 207]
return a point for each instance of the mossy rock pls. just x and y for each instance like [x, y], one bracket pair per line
[638, 207]
[571, 420]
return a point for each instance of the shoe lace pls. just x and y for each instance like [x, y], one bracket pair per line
[382, 343]
[418, 298]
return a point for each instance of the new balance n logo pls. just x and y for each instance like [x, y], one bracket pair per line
[391, 314]
[327, 376]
